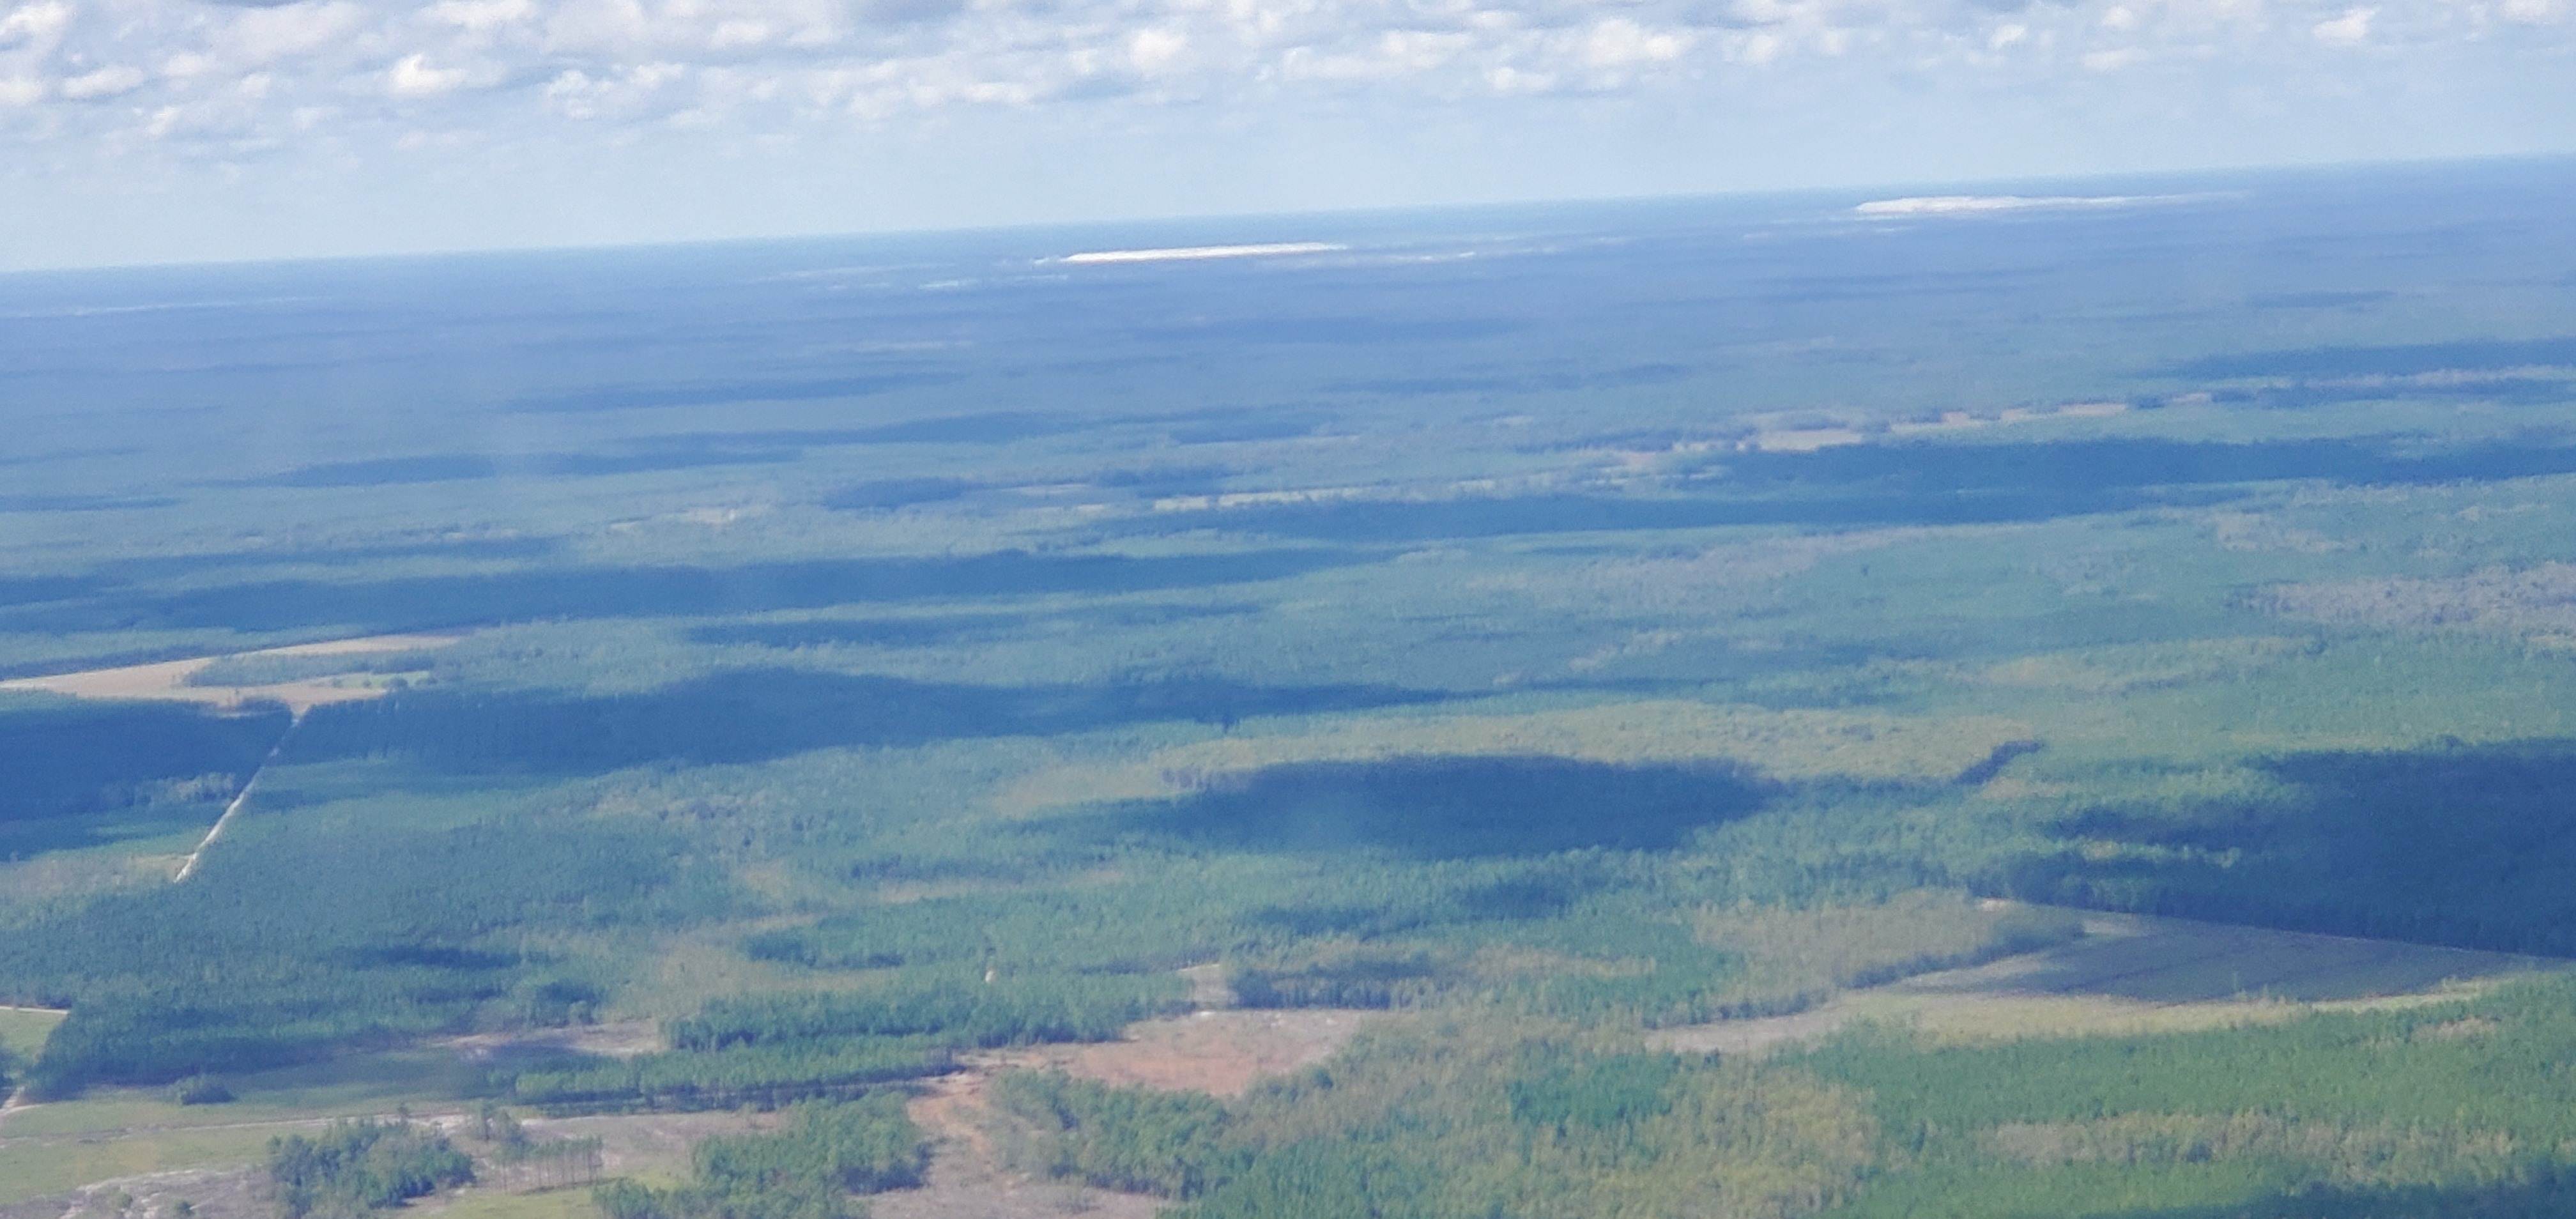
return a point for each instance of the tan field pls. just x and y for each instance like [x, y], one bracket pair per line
[168, 680]
[1218, 1052]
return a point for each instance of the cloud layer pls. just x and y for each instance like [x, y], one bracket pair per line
[125, 89]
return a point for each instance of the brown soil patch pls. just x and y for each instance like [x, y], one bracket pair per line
[168, 680]
[1219, 1052]
[652, 1145]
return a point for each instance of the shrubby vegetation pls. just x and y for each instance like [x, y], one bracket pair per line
[2352, 1114]
[292, 946]
[809, 1170]
[1458, 1122]
[356, 1167]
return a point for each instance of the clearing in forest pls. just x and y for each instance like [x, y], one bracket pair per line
[1218, 1052]
[168, 680]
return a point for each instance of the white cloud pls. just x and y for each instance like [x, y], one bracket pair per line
[2351, 29]
[320, 78]
[266, 35]
[105, 82]
[413, 77]
[38, 24]
[481, 15]
[1154, 50]
[1619, 42]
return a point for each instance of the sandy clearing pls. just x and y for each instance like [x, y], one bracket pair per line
[167, 680]
[1219, 1052]
[615, 1039]
[2137, 974]
[232, 1192]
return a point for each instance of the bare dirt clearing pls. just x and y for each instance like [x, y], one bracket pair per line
[2133, 974]
[650, 1145]
[211, 1193]
[168, 680]
[1219, 1052]
[616, 1039]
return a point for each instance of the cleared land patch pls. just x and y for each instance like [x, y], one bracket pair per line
[2133, 974]
[169, 679]
[1219, 1052]
[23, 1029]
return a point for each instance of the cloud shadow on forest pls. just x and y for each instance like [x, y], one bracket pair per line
[2546, 1192]
[2469, 846]
[936, 629]
[424, 602]
[1443, 807]
[753, 715]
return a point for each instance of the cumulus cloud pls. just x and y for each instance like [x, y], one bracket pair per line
[413, 77]
[238, 76]
[105, 82]
[2351, 29]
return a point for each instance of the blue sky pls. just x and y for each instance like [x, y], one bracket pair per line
[153, 130]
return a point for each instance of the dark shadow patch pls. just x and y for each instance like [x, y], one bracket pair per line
[32, 590]
[993, 427]
[1617, 378]
[2396, 360]
[935, 630]
[389, 471]
[1333, 331]
[2469, 846]
[1448, 808]
[2546, 1191]
[2318, 300]
[423, 602]
[1914, 483]
[1167, 479]
[751, 715]
[897, 493]
[460, 467]
[76, 774]
[81, 503]
[874, 633]
[1248, 427]
[642, 397]
[1995, 762]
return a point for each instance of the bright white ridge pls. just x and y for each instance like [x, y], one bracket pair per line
[1193, 252]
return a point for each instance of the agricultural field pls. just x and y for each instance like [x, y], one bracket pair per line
[1704, 708]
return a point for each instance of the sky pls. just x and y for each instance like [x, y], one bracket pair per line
[139, 131]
